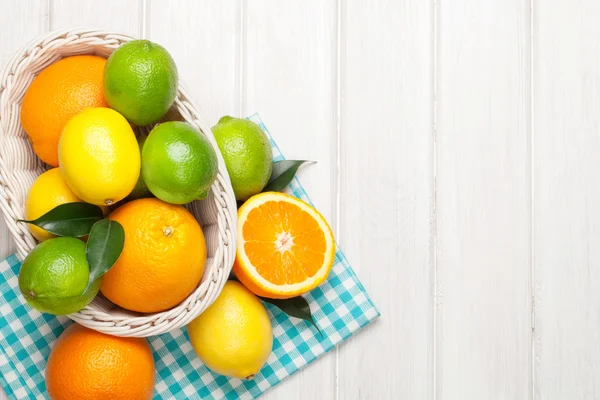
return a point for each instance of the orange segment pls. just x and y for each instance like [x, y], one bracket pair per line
[285, 246]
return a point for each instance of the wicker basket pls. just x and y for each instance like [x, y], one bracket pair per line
[19, 167]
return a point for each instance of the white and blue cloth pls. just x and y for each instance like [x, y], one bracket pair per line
[340, 307]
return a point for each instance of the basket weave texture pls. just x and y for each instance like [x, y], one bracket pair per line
[19, 167]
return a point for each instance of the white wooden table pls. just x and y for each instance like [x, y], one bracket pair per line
[458, 150]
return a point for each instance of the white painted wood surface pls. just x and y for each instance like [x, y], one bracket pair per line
[566, 167]
[458, 160]
[386, 193]
[483, 199]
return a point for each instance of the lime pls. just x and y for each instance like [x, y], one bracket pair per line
[140, 190]
[55, 274]
[140, 81]
[178, 163]
[247, 154]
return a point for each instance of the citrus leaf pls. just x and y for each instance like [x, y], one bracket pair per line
[295, 307]
[103, 248]
[283, 173]
[69, 219]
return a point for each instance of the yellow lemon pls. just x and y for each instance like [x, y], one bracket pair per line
[99, 156]
[48, 191]
[233, 336]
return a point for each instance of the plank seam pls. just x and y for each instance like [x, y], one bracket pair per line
[50, 15]
[144, 18]
[434, 28]
[338, 141]
[532, 194]
[241, 65]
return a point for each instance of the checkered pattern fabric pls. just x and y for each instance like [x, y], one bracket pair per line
[340, 306]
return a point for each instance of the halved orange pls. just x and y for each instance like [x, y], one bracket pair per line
[285, 246]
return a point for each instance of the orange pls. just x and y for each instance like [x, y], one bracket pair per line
[58, 93]
[163, 258]
[89, 365]
[285, 246]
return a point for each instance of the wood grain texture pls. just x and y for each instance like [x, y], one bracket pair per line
[117, 15]
[483, 199]
[287, 74]
[386, 180]
[566, 151]
[202, 37]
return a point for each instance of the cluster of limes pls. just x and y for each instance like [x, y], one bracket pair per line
[80, 114]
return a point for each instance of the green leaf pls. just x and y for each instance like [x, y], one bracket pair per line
[295, 307]
[69, 219]
[103, 248]
[283, 173]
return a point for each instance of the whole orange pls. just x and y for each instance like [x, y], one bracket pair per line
[163, 258]
[89, 365]
[58, 93]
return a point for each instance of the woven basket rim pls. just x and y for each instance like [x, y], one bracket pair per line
[221, 200]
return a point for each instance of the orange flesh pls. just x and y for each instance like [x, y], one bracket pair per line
[283, 242]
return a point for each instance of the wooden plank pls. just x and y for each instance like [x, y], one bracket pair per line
[566, 150]
[20, 22]
[288, 76]
[483, 197]
[386, 198]
[116, 15]
[202, 38]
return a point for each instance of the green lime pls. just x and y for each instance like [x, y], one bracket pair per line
[178, 163]
[55, 274]
[140, 81]
[140, 190]
[247, 154]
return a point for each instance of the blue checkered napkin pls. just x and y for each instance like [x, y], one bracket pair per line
[340, 306]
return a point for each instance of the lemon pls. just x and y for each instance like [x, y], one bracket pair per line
[99, 156]
[233, 336]
[48, 191]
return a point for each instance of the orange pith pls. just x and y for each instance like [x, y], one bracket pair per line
[285, 246]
